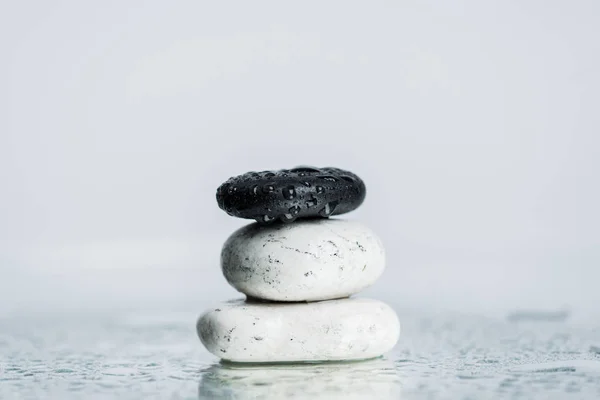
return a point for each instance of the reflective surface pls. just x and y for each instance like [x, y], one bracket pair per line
[439, 356]
[356, 380]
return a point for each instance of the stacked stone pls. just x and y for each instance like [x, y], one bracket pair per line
[298, 269]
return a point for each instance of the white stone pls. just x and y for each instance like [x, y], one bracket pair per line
[344, 329]
[306, 260]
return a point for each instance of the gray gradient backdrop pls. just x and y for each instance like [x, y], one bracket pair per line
[474, 123]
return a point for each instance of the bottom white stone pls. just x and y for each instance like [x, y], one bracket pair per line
[345, 329]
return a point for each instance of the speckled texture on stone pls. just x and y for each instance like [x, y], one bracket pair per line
[305, 261]
[289, 194]
[346, 329]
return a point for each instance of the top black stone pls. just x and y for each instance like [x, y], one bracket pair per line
[288, 194]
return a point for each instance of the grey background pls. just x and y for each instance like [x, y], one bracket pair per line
[475, 125]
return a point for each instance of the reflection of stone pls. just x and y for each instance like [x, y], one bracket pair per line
[371, 379]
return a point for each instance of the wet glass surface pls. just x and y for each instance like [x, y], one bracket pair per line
[439, 356]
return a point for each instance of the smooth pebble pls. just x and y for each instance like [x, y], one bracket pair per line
[290, 194]
[308, 260]
[345, 329]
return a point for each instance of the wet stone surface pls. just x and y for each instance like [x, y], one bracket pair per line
[288, 194]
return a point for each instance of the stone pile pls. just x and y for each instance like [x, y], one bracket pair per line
[298, 268]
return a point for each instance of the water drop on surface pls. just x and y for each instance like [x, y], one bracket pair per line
[307, 184]
[266, 218]
[294, 210]
[288, 218]
[289, 192]
[320, 189]
[232, 190]
[328, 209]
[255, 189]
[328, 178]
[268, 188]
[304, 169]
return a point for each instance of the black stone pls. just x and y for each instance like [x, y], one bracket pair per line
[289, 194]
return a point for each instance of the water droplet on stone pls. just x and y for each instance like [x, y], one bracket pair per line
[255, 190]
[328, 178]
[307, 184]
[288, 218]
[328, 209]
[320, 189]
[289, 192]
[294, 210]
[268, 188]
[312, 202]
[266, 218]
[232, 189]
